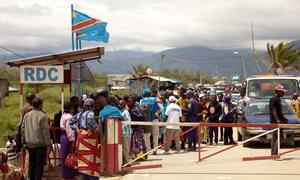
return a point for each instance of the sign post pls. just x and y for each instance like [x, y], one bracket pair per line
[41, 74]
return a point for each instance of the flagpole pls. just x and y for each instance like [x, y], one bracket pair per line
[78, 69]
[72, 22]
[82, 84]
[73, 48]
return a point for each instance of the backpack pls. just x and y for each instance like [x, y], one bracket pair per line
[147, 116]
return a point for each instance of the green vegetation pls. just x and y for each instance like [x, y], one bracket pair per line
[140, 70]
[184, 76]
[9, 117]
[282, 56]
[51, 95]
[9, 114]
[187, 77]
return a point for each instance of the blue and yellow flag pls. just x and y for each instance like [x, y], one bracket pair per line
[89, 29]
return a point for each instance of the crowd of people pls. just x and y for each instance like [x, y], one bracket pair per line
[80, 119]
[79, 128]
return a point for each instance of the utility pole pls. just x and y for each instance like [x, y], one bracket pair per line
[242, 62]
[253, 50]
[161, 63]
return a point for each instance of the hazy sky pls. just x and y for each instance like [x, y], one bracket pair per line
[31, 26]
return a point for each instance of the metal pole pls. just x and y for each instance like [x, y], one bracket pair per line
[72, 22]
[62, 97]
[78, 72]
[243, 66]
[199, 142]
[80, 91]
[21, 99]
[278, 139]
[162, 58]
[73, 48]
[253, 50]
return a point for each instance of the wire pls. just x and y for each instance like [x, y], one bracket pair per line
[11, 51]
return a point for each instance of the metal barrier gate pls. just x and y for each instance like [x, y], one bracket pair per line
[273, 127]
[111, 144]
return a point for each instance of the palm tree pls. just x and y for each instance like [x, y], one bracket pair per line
[284, 56]
[140, 70]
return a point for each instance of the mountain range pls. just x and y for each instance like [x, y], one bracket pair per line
[215, 62]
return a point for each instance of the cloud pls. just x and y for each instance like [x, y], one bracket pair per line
[41, 26]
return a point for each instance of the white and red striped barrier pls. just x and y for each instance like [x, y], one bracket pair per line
[114, 146]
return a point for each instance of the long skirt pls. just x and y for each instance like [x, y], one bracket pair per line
[88, 153]
[65, 150]
[138, 147]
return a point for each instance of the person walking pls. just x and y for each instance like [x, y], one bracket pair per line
[221, 102]
[36, 133]
[126, 129]
[163, 104]
[28, 105]
[204, 103]
[151, 101]
[67, 141]
[183, 104]
[276, 116]
[87, 151]
[228, 117]
[24, 110]
[173, 115]
[107, 110]
[138, 147]
[191, 113]
[214, 113]
[295, 104]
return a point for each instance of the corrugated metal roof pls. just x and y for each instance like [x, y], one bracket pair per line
[57, 58]
[158, 78]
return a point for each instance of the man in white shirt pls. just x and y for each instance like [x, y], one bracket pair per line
[173, 115]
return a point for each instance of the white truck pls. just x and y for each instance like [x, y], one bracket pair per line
[254, 106]
[262, 87]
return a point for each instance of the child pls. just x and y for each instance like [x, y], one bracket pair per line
[11, 150]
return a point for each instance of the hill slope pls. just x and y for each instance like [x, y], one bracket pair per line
[212, 61]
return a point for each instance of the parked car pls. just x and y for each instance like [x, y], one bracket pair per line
[235, 98]
[257, 111]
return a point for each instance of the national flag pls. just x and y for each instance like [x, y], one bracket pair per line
[89, 29]
[94, 37]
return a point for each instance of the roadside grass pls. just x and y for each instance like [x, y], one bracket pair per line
[9, 117]
[9, 114]
[51, 95]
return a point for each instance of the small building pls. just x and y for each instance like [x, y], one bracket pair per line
[118, 81]
[137, 84]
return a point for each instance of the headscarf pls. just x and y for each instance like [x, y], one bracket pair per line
[89, 104]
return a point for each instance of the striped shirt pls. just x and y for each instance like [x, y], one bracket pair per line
[11, 150]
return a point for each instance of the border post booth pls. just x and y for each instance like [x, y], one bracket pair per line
[54, 69]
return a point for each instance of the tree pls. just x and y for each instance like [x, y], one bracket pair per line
[140, 70]
[284, 56]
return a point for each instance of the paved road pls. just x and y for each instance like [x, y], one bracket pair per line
[227, 165]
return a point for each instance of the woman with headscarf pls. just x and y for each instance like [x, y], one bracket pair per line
[87, 151]
[66, 141]
[138, 147]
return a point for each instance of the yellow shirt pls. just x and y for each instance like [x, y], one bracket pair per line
[296, 107]
[182, 103]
